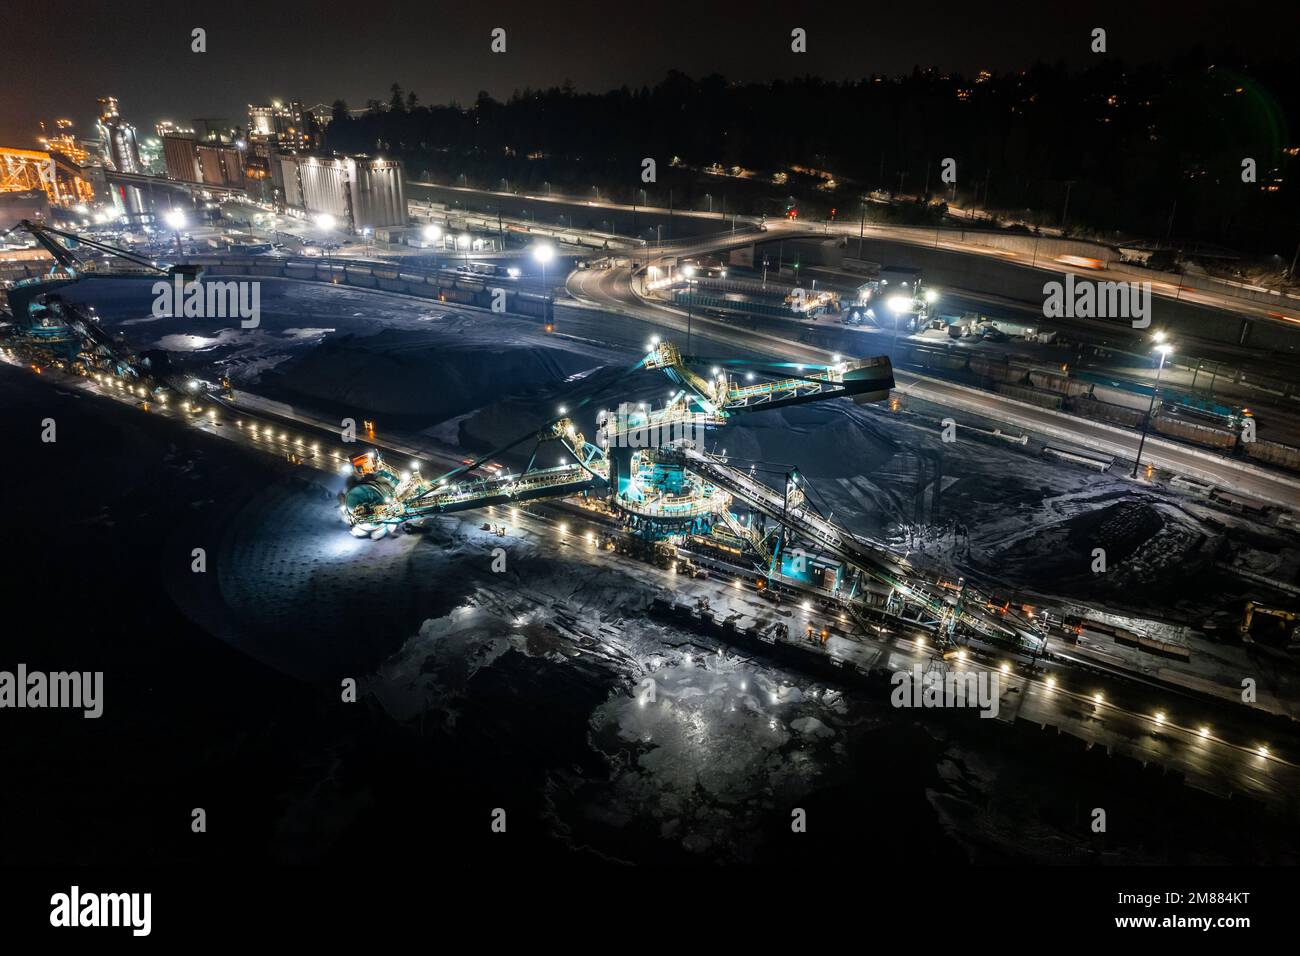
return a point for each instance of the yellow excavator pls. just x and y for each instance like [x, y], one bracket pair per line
[1283, 624]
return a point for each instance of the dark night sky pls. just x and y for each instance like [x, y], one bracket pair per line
[61, 54]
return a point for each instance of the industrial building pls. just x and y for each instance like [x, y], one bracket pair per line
[221, 165]
[212, 164]
[287, 127]
[28, 170]
[121, 152]
[181, 155]
[359, 191]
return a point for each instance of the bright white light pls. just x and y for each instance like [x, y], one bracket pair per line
[175, 218]
[688, 271]
[899, 303]
[432, 232]
[326, 221]
[1164, 349]
[931, 295]
[543, 252]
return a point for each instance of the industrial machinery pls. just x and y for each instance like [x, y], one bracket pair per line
[1282, 626]
[649, 469]
[50, 330]
[807, 304]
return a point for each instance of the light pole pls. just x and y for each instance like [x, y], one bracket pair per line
[325, 222]
[175, 218]
[900, 305]
[464, 242]
[543, 252]
[1164, 350]
[432, 233]
[862, 225]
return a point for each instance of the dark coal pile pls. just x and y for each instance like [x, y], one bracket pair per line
[416, 378]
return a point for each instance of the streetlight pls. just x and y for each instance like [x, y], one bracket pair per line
[464, 242]
[325, 223]
[543, 252]
[1164, 349]
[432, 234]
[175, 218]
[900, 305]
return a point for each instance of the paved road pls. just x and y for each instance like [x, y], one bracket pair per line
[1283, 309]
[612, 289]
